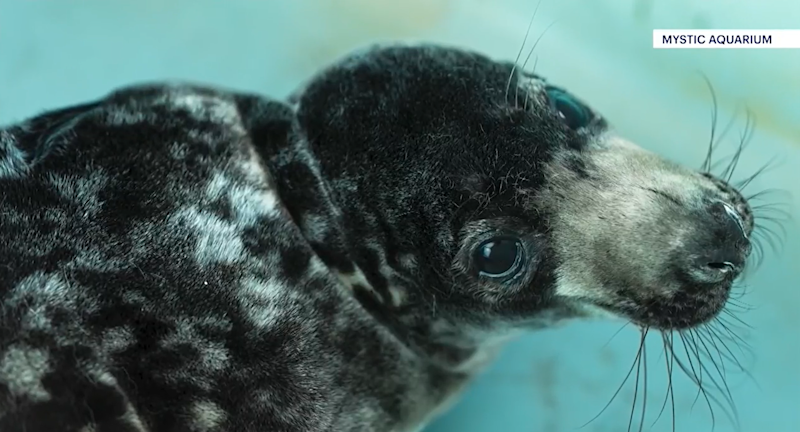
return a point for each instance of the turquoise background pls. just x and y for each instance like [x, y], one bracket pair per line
[57, 52]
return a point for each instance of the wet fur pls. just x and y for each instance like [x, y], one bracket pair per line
[178, 257]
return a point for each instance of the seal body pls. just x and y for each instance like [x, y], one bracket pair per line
[177, 257]
[153, 280]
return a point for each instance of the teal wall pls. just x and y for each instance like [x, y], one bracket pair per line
[56, 52]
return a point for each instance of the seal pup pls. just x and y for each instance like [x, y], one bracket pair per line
[182, 257]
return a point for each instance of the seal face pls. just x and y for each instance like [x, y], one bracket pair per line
[178, 257]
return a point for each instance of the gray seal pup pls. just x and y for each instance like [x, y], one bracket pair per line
[179, 257]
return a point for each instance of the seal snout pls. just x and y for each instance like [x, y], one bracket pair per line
[720, 252]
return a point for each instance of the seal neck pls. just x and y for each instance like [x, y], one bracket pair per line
[374, 240]
[363, 245]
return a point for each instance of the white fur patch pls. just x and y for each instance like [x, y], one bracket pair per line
[121, 116]
[117, 339]
[408, 261]
[206, 416]
[206, 107]
[250, 204]
[580, 296]
[22, 369]
[217, 240]
[217, 186]
[316, 267]
[350, 280]
[48, 290]
[12, 162]
[82, 190]
[264, 301]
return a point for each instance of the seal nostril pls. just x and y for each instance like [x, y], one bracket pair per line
[721, 248]
[736, 217]
[714, 270]
[722, 267]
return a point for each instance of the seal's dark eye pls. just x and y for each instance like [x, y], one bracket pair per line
[574, 113]
[499, 257]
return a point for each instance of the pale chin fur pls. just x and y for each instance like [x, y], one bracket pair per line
[579, 298]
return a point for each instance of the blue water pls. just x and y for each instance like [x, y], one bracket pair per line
[60, 52]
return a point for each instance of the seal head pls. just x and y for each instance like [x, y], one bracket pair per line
[483, 198]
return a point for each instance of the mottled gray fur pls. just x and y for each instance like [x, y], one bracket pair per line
[177, 257]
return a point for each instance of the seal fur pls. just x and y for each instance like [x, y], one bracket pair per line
[181, 257]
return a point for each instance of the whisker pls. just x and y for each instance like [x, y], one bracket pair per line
[528, 94]
[734, 337]
[741, 185]
[774, 240]
[766, 192]
[639, 357]
[615, 335]
[725, 323]
[766, 232]
[697, 379]
[735, 301]
[723, 387]
[708, 165]
[744, 141]
[737, 291]
[535, 44]
[714, 113]
[519, 54]
[530, 53]
[721, 161]
[780, 217]
[739, 320]
[703, 348]
[669, 359]
[706, 338]
[672, 392]
[644, 393]
[758, 254]
[731, 356]
[619, 389]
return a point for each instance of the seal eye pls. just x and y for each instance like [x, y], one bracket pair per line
[499, 257]
[574, 113]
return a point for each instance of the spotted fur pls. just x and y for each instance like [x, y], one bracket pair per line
[177, 257]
